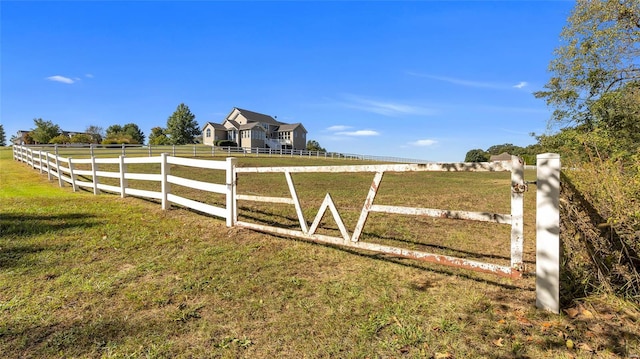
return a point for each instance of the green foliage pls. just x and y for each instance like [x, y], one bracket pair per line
[313, 145]
[118, 139]
[528, 153]
[44, 131]
[60, 139]
[158, 137]
[127, 134]
[595, 89]
[81, 138]
[225, 143]
[506, 147]
[134, 131]
[595, 74]
[476, 155]
[182, 128]
[3, 137]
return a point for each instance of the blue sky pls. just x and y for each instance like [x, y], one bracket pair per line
[419, 79]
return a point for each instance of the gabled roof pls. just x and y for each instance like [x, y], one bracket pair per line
[290, 127]
[257, 117]
[233, 123]
[216, 126]
[250, 126]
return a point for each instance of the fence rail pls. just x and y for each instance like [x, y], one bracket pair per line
[515, 218]
[64, 169]
[73, 150]
[547, 220]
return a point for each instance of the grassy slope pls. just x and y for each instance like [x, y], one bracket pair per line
[100, 276]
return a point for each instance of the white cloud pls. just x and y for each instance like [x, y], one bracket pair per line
[338, 128]
[521, 84]
[359, 133]
[90, 76]
[461, 82]
[62, 79]
[385, 107]
[471, 83]
[423, 143]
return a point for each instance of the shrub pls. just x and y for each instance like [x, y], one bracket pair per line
[225, 143]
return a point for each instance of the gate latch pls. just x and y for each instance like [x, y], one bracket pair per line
[520, 187]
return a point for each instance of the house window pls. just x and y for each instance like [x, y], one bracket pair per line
[208, 132]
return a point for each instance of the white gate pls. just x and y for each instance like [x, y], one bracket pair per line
[515, 218]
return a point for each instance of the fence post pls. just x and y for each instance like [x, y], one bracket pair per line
[60, 181]
[94, 170]
[165, 186]
[174, 150]
[517, 211]
[40, 158]
[231, 192]
[73, 176]
[33, 161]
[123, 180]
[48, 167]
[194, 151]
[548, 232]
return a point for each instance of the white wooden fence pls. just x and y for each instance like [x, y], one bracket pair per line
[547, 220]
[86, 150]
[66, 171]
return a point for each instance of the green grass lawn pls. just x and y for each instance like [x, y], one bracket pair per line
[100, 276]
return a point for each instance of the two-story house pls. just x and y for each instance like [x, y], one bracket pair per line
[250, 129]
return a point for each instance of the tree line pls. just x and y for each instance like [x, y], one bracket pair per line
[181, 129]
[594, 91]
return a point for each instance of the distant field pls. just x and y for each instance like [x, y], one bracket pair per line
[100, 276]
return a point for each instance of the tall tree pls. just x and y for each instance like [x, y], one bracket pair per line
[3, 137]
[134, 131]
[158, 137]
[506, 147]
[313, 145]
[128, 134]
[595, 82]
[44, 131]
[182, 127]
[113, 130]
[476, 155]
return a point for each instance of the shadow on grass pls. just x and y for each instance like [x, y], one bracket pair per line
[10, 256]
[24, 225]
[17, 226]
[88, 338]
[413, 263]
[254, 215]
